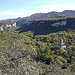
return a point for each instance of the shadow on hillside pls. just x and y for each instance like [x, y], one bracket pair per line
[43, 29]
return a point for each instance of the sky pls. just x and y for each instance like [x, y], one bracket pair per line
[23, 8]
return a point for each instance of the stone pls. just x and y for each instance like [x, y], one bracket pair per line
[1, 28]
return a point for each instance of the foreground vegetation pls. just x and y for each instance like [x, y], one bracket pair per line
[22, 52]
[25, 54]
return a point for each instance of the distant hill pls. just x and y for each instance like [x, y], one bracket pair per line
[10, 21]
[26, 20]
[51, 14]
[51, 25]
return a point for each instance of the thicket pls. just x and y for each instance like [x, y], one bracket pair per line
[28, 54]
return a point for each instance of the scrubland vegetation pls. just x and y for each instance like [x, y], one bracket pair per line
[22, 52]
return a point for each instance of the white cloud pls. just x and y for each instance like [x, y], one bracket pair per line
[19, 0]
[4, 13]
[57, 7]
[15, 14]
[46, 1]
[43, 1]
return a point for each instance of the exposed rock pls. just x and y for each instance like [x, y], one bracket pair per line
[41, 22]
[8, 25]
[1, 28]
[14, 25]
[57, 24]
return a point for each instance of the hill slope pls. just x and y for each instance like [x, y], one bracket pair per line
[20, 21]
[26, 53]
[45, 26]
[34, 49]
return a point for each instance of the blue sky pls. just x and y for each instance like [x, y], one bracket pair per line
[23, 8]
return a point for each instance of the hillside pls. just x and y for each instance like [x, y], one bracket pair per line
[34, 49]
[27, 20]
[51, 25]
[65, 13]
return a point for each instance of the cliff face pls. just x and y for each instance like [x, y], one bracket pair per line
[45, 26]
[55, 23]
[1, 28]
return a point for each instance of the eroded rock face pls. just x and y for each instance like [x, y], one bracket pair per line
[14, 25]
[1, 28]
[57, 24]
[9, 25]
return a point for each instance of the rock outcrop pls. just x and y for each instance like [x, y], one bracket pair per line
[57, 24]
[11, 25]
[1, 28]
